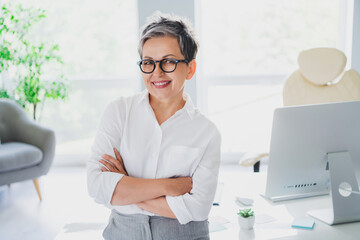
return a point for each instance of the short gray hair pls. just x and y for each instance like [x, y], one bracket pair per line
[160, 25]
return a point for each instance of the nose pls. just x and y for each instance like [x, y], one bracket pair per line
[158, 70]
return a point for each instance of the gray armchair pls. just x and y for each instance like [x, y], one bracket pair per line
[26, 148]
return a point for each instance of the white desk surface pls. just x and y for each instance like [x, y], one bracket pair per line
[251, 185]
[90, 224]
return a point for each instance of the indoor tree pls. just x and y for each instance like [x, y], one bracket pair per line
[28, 58]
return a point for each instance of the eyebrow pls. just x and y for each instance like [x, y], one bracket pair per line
[167, 55]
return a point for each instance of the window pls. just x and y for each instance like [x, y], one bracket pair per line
[96, 39]
[98, 43]
[247, 52]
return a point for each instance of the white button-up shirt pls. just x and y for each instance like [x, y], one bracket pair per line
[187, 144]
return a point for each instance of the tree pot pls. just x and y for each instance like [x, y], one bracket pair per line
[246, 223]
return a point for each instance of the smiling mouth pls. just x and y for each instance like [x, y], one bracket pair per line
[161, 84]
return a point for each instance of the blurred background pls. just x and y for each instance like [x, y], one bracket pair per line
[247, 49]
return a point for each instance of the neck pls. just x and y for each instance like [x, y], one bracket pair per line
[163, 110]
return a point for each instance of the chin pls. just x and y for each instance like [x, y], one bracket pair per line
[160, 96]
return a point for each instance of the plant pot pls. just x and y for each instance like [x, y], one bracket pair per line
[246, 223]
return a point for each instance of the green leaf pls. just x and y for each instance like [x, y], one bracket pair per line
[4, 94]
[28, 57]
[247, 212]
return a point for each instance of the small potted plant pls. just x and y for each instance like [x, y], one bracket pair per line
[246, 218]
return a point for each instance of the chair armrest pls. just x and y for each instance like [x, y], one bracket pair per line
[28, 131]
[250, 159]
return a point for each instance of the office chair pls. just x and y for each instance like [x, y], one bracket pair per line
[321, 78]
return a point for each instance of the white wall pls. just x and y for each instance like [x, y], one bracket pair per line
[355, 59]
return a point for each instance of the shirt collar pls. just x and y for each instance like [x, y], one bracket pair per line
[144, 96]
[189, 107]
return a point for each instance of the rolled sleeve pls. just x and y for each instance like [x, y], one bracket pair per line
[196, 206]
[178, 207]
[101, 185]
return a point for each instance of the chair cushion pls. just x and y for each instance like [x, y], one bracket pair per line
[16, 155]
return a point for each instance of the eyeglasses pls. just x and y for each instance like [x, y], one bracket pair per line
[167, 65]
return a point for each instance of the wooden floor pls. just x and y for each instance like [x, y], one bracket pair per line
[64, 193]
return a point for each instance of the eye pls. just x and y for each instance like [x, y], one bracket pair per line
[169, 61]
[147, 62]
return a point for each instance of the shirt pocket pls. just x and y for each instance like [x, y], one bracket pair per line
[181, 161]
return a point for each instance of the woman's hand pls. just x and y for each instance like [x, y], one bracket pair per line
[179, 186]
[113, 165]
[158, 206]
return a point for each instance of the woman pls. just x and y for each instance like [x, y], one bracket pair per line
[160, 167]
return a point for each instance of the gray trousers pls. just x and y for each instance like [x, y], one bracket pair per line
[143, 227]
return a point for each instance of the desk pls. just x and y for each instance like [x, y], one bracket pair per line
[250, 185]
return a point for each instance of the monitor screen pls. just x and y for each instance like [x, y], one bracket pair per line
[300, 140]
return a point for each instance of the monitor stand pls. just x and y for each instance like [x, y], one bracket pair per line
[346, 207]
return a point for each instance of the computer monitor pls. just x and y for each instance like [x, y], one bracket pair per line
[302, 137]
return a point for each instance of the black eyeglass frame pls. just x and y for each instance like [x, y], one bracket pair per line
[160, 64]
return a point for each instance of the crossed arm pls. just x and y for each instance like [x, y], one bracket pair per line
[148, 194]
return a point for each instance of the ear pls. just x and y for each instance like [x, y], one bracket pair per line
[192, 69]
